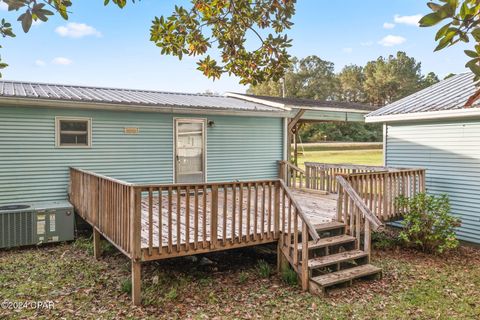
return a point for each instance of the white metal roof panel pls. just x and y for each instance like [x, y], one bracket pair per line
[28, 90]
[449, 94]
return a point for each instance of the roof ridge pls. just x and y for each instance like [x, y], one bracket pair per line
[108, 88]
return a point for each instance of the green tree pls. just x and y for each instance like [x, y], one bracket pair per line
[392, 78]
[196, 29]
[430, 79]
[381, 81]
[351, 84]
[310, 78]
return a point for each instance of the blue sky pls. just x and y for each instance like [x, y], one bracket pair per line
[106, 46]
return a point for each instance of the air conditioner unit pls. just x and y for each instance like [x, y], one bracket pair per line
[35, 223]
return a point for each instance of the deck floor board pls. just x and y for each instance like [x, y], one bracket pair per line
[319, 209]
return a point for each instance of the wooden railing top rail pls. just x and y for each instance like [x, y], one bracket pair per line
[367, 213]
[103, 177]
[374, 173]
[291, 165]
[311, 229]
[358, 167]
[146, 186]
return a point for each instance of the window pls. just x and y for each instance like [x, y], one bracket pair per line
[73, 132]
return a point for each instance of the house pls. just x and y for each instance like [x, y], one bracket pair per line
[433, 129]
[162, 175]
[138, 136]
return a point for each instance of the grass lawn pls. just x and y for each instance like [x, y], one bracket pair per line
[414, 286]
[366, 157]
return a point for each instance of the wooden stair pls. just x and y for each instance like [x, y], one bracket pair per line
[335, 259]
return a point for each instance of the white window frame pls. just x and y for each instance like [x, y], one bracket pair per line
[58, 132]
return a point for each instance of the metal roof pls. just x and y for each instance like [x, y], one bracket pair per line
[449, 94]
[73, 93]
[299, 103]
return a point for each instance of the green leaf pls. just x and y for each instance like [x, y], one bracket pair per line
[26, 20]
[434, 6]
[471, 53]
[430, 19]
[476, 34]
[442, 31]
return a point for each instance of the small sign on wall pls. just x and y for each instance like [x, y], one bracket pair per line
[131, 130]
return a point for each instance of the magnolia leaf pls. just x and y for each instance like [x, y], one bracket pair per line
[430, 19]
[471, 54]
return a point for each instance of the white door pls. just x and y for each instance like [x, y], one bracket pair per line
[189, 150]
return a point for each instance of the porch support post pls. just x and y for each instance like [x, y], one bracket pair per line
[291, 128]
[136, 282]
[97, 246]
[295, 149]
[282, 262]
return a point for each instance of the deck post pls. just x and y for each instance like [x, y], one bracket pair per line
[135, 243]
[136, 282]
[282, 262]
[97, 246]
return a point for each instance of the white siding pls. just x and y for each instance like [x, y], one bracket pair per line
[450, 151]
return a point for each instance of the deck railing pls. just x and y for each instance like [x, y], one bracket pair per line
[378, 186]
[108, 205]
[379, 190]
[156, 221]
[322, 176]
[358, 218]
[292, 175]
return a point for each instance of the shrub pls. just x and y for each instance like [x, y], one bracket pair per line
[385, 239]
[427, 223]
[127, 286]
[243, 277]
[264, 269]
[289, 276]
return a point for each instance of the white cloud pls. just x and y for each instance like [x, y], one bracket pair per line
[408, 20]
[3, 6]
[366, 44]
[388, 25]
[77, 30]
[40, 63]
[347, 50]
[391, 40]
[62, 61]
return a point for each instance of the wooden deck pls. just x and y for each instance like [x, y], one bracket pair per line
[317, 207]
[159, 221]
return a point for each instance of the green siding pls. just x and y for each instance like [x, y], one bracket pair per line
[450, 151]
[32, 169]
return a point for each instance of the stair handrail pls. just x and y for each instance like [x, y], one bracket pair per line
[311, 229]
[290, 173]
[366, 212]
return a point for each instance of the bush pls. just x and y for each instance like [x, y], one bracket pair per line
[263, 269]
[289, 276]
[127, 286]
[427, 223]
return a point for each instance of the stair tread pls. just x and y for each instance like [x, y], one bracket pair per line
[328, 241]
[336, 258]
[329, 226]
[334, 278]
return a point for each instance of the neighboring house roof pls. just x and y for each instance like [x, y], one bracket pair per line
[445, 99]
[135, 99]
[311, 104]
